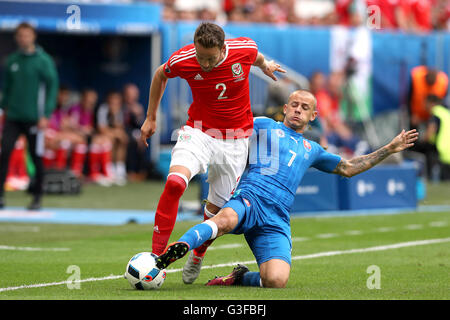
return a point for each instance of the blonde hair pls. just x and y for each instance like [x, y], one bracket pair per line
[304, 91]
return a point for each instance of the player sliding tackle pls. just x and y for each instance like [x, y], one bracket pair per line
[260, 207]
[215, 136]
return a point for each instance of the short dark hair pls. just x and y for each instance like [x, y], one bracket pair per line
[430, 76]
[112, 92]
[209, 35]
[87, 89]
[25, 25]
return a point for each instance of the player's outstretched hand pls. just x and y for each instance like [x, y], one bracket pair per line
[271, 67]
[404, 140]
[147, 130]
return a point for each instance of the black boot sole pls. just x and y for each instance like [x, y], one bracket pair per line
[173, 252]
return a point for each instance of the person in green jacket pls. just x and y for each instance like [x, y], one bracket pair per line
[438, 133]
[30, 86]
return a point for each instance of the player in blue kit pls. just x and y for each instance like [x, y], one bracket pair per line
[279, 157]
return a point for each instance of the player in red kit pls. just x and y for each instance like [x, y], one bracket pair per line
[215, 137]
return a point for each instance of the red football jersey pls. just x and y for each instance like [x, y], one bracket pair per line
[221, 99]
[420, 11]
[387, 9]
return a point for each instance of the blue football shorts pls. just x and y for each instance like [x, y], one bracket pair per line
[266, 232]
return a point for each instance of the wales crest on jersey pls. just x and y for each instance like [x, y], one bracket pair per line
[236, 69]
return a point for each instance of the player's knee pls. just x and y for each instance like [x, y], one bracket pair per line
[229, 223]
[175, 185]
[274, 280]
[274, 274]
[226, 220]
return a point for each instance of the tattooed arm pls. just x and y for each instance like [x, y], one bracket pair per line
[349, 168]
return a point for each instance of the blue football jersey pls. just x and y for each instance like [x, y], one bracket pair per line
[278, 160]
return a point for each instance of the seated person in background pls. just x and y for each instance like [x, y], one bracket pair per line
[60, 140]
[81, 123]
[81, 115]
[438, 133]
[111, 124]
[136, 162]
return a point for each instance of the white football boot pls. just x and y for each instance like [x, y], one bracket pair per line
[191, 269]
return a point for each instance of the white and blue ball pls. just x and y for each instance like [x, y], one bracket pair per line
[142, 273]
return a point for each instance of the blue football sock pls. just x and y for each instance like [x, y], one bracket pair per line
[251, 279]
[199, 233]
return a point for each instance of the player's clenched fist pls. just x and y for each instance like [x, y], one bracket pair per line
[148, 128]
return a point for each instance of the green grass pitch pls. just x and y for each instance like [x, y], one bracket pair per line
[333, 257]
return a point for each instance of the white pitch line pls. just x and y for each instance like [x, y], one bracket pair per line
[372, 249]
[20, 228]
[438, 223]
[41, 285]
[414, 226]
[295, 239]
[326, 235]
[385, 229]
[353, 232]
[32, 248]
[308, 256]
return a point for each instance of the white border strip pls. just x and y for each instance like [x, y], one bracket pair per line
[308, 256]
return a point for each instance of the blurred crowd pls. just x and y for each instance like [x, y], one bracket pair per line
[406, 15]
[417, 16]
[98, 141]
[337, 130]
[334, 128]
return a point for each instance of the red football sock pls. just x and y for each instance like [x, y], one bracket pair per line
[15, 161]
[61, 155]
[21, 163]
[200, 251]
[166, 212]
[48, 158]
[78, 156]
[94, 161]
[61, 158]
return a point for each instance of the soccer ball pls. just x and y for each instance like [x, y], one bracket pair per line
[142, 273]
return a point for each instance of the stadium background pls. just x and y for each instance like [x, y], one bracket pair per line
[118, 42]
